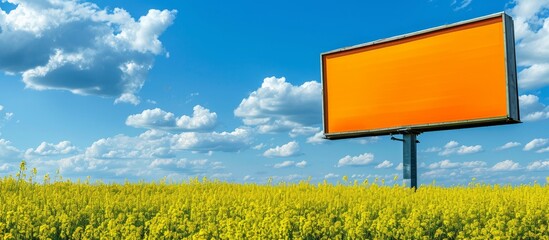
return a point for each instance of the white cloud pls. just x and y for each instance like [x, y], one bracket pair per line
[4, 167]
[506, 165]
[469, 149]
[155, 144]
[122, 156]
[248, 178]
[461, 5]
[221, 176]
[299, 131]
[202, 119]
[8, 152]
[367, 140]
[532, 109]
[152, 118]
[318, 138]
[8, 116]
[473, 164]
[447, 164]
[535, 116]
[259, 146]
[454, 147]
[399, 167]
[49, 149]
[543, 150]
[284, 164]
[433, 149]
[508, 145]
[538, 165]
[171, 164]
[536, 143]
[288, 178]
[150, 144]
[532, 42]
[286, 150]
[384, 164]
[360, 160]
[78, 47]
[435, 173]
[443, 164]
[279, 106]
[213, 141]
[301, 164]
[331, 175]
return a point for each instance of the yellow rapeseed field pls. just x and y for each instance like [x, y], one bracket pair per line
[204, 209]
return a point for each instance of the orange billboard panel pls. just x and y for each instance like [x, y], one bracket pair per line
[455, 76]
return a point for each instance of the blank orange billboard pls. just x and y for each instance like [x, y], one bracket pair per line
[455, 76]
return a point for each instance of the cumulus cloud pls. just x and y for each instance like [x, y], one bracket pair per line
[506, 165]
[446, 164]
[259, 146]
[543, 150]
[301, 164]
[300, 131]
[78, 47]
[195, 166]
[155, 144]
[202, 119]
[399, 167]
[384, 164]
[285, 164]
[532, 42]
[508, 145]
[433, 149]
[8, 152]
[150, 144]
[331, 175]
[50, 149]
[531, 109]
[286, 150]
[153, 148]
[534, 110]
[469, 149]
[318, 138]
[5, 167]
[443, 164]
[360, 160]
[536, 143]
[453, 147]
[538, 165]
[233, 141]
[279, 106]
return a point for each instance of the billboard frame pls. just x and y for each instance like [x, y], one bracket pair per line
[513, 115]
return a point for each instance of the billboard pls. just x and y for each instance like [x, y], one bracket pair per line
[454, 76]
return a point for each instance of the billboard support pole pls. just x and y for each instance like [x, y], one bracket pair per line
[409, 156]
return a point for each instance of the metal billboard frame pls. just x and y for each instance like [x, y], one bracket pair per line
[511, 84]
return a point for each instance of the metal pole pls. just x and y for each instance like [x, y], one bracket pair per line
[409, 160]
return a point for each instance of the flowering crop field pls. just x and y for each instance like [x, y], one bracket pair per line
[205, 209]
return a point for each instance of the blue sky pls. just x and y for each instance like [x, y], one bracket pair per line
[140, 90]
